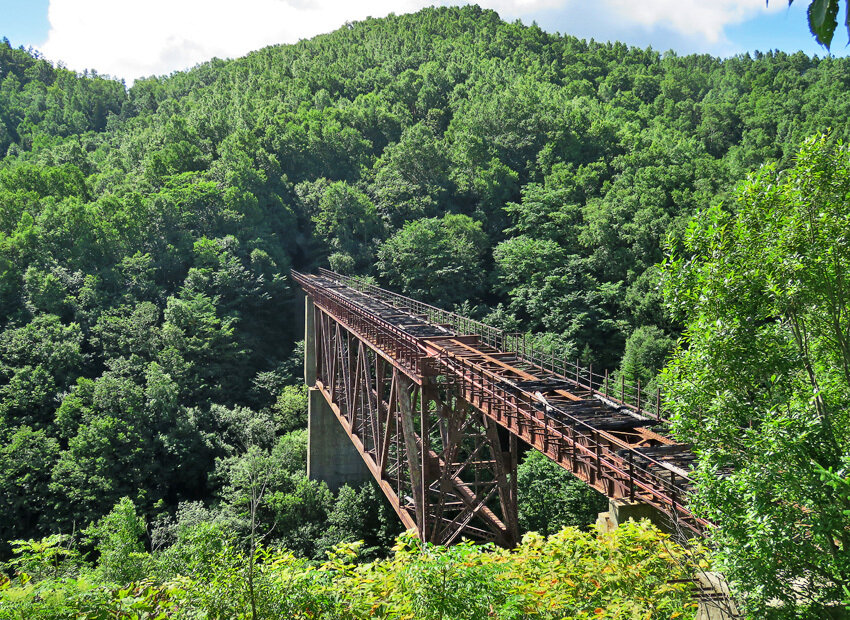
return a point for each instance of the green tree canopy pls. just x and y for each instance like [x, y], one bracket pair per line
[440, 260]
[551, 498]
[761, 383]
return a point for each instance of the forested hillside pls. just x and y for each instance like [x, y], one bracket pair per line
[149, 328]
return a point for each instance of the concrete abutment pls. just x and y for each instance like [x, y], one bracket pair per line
[713, 594]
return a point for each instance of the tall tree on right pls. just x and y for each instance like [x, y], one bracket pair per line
[760, 384]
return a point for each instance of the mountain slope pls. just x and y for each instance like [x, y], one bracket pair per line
[146, 235]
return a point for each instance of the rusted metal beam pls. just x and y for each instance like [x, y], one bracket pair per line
[565, 412]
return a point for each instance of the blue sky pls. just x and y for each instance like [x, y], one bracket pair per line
[24, 23]
[785, 29]
[134, 38]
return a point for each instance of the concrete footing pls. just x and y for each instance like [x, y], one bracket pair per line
[331, 457]
[713, 595]
[620, 511]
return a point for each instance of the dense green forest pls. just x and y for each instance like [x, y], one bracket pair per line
[149, 331]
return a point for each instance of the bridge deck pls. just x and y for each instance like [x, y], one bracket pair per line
[572, 417]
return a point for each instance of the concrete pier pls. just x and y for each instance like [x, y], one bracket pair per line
[310, 356]
[331, 456]
[712, 592]
[620, 511]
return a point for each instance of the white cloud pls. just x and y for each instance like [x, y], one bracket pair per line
[703, 18]
[131, 38]
[134, 38]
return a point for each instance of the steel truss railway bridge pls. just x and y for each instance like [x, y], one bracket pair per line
[438, 406]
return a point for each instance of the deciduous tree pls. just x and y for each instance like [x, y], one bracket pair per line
[761, 383]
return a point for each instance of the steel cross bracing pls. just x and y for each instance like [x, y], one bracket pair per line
[436, 415]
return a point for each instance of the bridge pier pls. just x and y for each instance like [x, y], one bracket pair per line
[712, 591]
[621, 510]
[331, 457]
[310, 356]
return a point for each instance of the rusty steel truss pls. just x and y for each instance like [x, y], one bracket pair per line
[436, 404]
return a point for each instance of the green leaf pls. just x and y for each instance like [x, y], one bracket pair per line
[822, 20]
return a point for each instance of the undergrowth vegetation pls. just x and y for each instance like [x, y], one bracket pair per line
[631, 572]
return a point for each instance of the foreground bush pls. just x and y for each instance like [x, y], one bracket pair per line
[624, 574]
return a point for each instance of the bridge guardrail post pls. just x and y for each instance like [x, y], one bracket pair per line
[658, 404]
[638, 396]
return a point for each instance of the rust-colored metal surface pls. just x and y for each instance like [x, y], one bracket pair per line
[436, 403]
